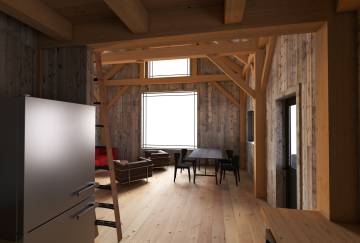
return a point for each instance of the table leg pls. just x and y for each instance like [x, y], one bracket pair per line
[216, 171]
[206, 163]
[194, 168]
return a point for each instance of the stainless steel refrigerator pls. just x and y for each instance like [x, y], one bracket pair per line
[46, 171]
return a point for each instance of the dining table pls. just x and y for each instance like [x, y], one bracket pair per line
[208, 154]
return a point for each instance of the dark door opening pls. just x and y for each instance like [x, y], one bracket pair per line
[290, 153]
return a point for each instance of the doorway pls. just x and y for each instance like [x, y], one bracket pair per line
[291, 153]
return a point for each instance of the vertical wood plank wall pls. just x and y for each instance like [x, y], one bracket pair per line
[218, 119]
[66, 74]
[293, 64]
[18, 58]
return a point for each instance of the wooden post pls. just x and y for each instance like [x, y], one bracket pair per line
[337, 120]
[193, 67]
[260, 129]
[243, 138]
[260, 146]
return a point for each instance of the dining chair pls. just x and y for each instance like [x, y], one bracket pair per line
[180, 164]
[229, 157]
[184, 157]
[231, 166]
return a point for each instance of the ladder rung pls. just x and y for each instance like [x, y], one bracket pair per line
[105, 223]
[104, 187]
[105, 205]
[99, 125]
[103, 167]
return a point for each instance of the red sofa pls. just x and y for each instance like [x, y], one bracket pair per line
[101, 158]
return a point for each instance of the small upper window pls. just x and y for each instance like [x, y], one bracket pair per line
[169, 68]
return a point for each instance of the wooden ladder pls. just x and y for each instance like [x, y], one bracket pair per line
[102, 103]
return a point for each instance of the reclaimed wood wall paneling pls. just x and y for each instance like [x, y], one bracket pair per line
[218, 119]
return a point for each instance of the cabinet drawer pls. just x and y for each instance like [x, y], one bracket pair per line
[76, 225]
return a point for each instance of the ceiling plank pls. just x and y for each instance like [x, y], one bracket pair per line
[39, 16]
[226, 93]
[168, 80]
[348, 5]
[132, 13]
[234, 11]
[189, 51]
[235, 77]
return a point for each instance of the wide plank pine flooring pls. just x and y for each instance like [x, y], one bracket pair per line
[162, 211]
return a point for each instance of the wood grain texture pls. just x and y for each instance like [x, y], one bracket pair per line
[338, 156]
[163, 211]
[298, 226]
[234, 11]
[132, 13]
[36, 14]
[67, 74]
[218, 118]
[293, 63]
[18, 58]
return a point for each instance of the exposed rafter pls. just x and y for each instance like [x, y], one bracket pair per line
[270, 48]
[259, 68]
[348, 5]
[168, 80]
[132, 13]
[187, 51]
[234, 11]
[226, 93]
[248, 66]
[221, 63]
[117, 96]
[39, 16]
[243, 58]
[102, 35]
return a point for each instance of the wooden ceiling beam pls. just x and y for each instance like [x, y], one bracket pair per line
[243, 58]
[186, 25]
[259, 68]
[235, 77]
[39, 16]
[132, 13]
[189, 51]
[270, 48]
[226, 93]
[234, 11]
[348, 5]
[168, 80]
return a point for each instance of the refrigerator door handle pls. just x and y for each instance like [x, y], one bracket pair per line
[88, 208]
[86, 188]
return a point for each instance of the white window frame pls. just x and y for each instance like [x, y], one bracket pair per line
[144, 139]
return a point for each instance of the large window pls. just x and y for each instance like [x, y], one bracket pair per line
[169, 68]
[169, 120]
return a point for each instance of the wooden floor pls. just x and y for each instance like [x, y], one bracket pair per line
[162, 211]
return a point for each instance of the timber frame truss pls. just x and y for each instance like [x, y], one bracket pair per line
[237, 59]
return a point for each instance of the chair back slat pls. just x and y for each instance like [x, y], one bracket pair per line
[176, 158]
[235, 161]
[229, 153]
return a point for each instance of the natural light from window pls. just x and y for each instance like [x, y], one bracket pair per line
[169, 120]
[169, 68]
